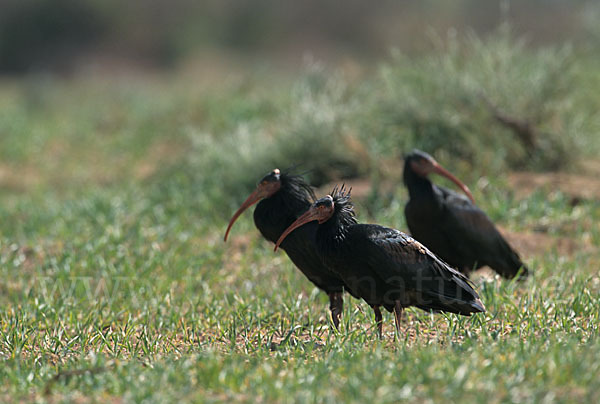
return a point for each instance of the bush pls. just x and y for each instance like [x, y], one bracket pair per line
[310, 132]
[490, 101]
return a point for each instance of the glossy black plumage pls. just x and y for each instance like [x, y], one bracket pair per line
[275, 212]
[453, 227]
[384, 266]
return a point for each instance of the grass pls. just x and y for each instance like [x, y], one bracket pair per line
[116, 285]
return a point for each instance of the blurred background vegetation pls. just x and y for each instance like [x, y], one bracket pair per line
[36, 35]
[209, 95]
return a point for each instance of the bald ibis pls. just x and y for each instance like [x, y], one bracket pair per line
[451, 225]
[283, 198]
[384, 266]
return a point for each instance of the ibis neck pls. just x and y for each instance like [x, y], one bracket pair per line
[283, 204]
[293, 199]
[275, 213]
[332, 233]
[417, 185]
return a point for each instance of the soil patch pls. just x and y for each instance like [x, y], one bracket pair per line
[583, 185]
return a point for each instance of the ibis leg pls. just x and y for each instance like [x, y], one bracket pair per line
[378, 320]
[398, 314]
[336, 305]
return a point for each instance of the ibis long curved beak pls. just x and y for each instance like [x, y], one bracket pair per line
[251, 200]
[311, 214]
[438, 169]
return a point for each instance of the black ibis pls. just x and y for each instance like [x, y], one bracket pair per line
[384, 266]
[451, 225]
[283, 198]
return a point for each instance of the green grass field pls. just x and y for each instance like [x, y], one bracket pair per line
[117, 287]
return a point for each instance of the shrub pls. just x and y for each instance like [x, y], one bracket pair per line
[490, 101]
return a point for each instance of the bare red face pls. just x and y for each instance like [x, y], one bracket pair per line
[265, 188]
[320, 211]
[425, 165]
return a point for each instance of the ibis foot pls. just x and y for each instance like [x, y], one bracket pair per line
[336, 305]
[378, 320]
[398, 314]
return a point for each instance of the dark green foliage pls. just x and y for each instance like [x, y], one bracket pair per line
[495, 102]
[46, 34]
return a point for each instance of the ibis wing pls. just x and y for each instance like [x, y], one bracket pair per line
[404, 263]
[473, 233]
